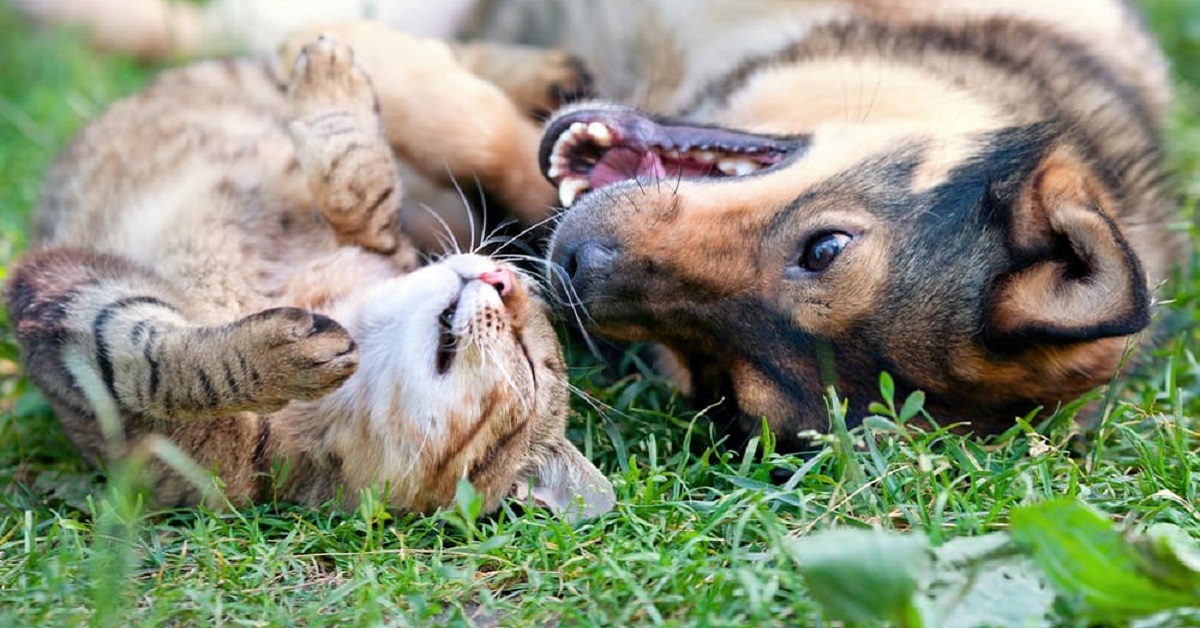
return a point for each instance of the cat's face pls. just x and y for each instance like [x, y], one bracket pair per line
[461, 375]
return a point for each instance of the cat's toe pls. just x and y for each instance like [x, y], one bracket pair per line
[303, 355]
[325, 76]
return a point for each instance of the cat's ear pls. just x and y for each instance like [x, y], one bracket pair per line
[564, 481]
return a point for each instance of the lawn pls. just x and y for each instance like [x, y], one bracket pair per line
[700, 536]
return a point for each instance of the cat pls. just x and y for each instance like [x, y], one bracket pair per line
[217, 261]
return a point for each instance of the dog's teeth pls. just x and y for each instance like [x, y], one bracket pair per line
[559, 165]
[599, 134]
[704, 156]
[570, 188]
[671, 154]
[735, 166]
[578, 129]
[558, 154]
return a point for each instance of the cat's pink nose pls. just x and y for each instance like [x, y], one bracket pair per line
[501, 279]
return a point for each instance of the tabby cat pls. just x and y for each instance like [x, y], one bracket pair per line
[217, 261]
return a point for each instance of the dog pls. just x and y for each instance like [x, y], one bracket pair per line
[968, 196]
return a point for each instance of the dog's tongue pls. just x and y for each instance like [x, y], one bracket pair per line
[620, 164]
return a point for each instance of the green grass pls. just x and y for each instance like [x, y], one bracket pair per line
[697, 537]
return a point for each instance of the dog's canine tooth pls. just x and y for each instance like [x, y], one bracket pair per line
[570, 188]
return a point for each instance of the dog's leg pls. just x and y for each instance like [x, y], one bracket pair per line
[537, 80]
[151, 29]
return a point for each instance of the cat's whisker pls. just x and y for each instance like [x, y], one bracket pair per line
[509, 379]
[451, 239]
[593, 402]
[466, 207]
[518, 238]
[496, 235]
[483, 209]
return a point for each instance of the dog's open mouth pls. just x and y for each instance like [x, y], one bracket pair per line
[587, 150]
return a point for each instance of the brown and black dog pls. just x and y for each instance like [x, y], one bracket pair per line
[790, 195]
[966, 195]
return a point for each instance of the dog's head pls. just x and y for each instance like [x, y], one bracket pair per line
[925, 234]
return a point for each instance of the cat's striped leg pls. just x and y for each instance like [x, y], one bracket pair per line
[99, 334]
[446, 122]
[340, 143]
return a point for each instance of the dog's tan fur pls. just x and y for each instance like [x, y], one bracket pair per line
[996, 165]
[217, 261]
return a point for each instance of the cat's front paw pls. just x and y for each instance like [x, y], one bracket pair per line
[293, 354]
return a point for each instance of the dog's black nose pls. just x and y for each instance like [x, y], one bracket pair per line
[589, 259]
[586, 262]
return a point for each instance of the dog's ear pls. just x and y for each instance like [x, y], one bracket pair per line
[1074, 277]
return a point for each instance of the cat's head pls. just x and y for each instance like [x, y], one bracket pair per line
[462, 375]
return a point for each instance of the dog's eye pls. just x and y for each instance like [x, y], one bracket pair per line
[820, 251]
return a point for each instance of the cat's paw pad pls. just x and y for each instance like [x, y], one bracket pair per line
[300, 355]
[325, 76]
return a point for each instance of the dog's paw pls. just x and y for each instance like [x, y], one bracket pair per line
[566, 80]
[537, 81]
[293, 354]
[325, 77]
